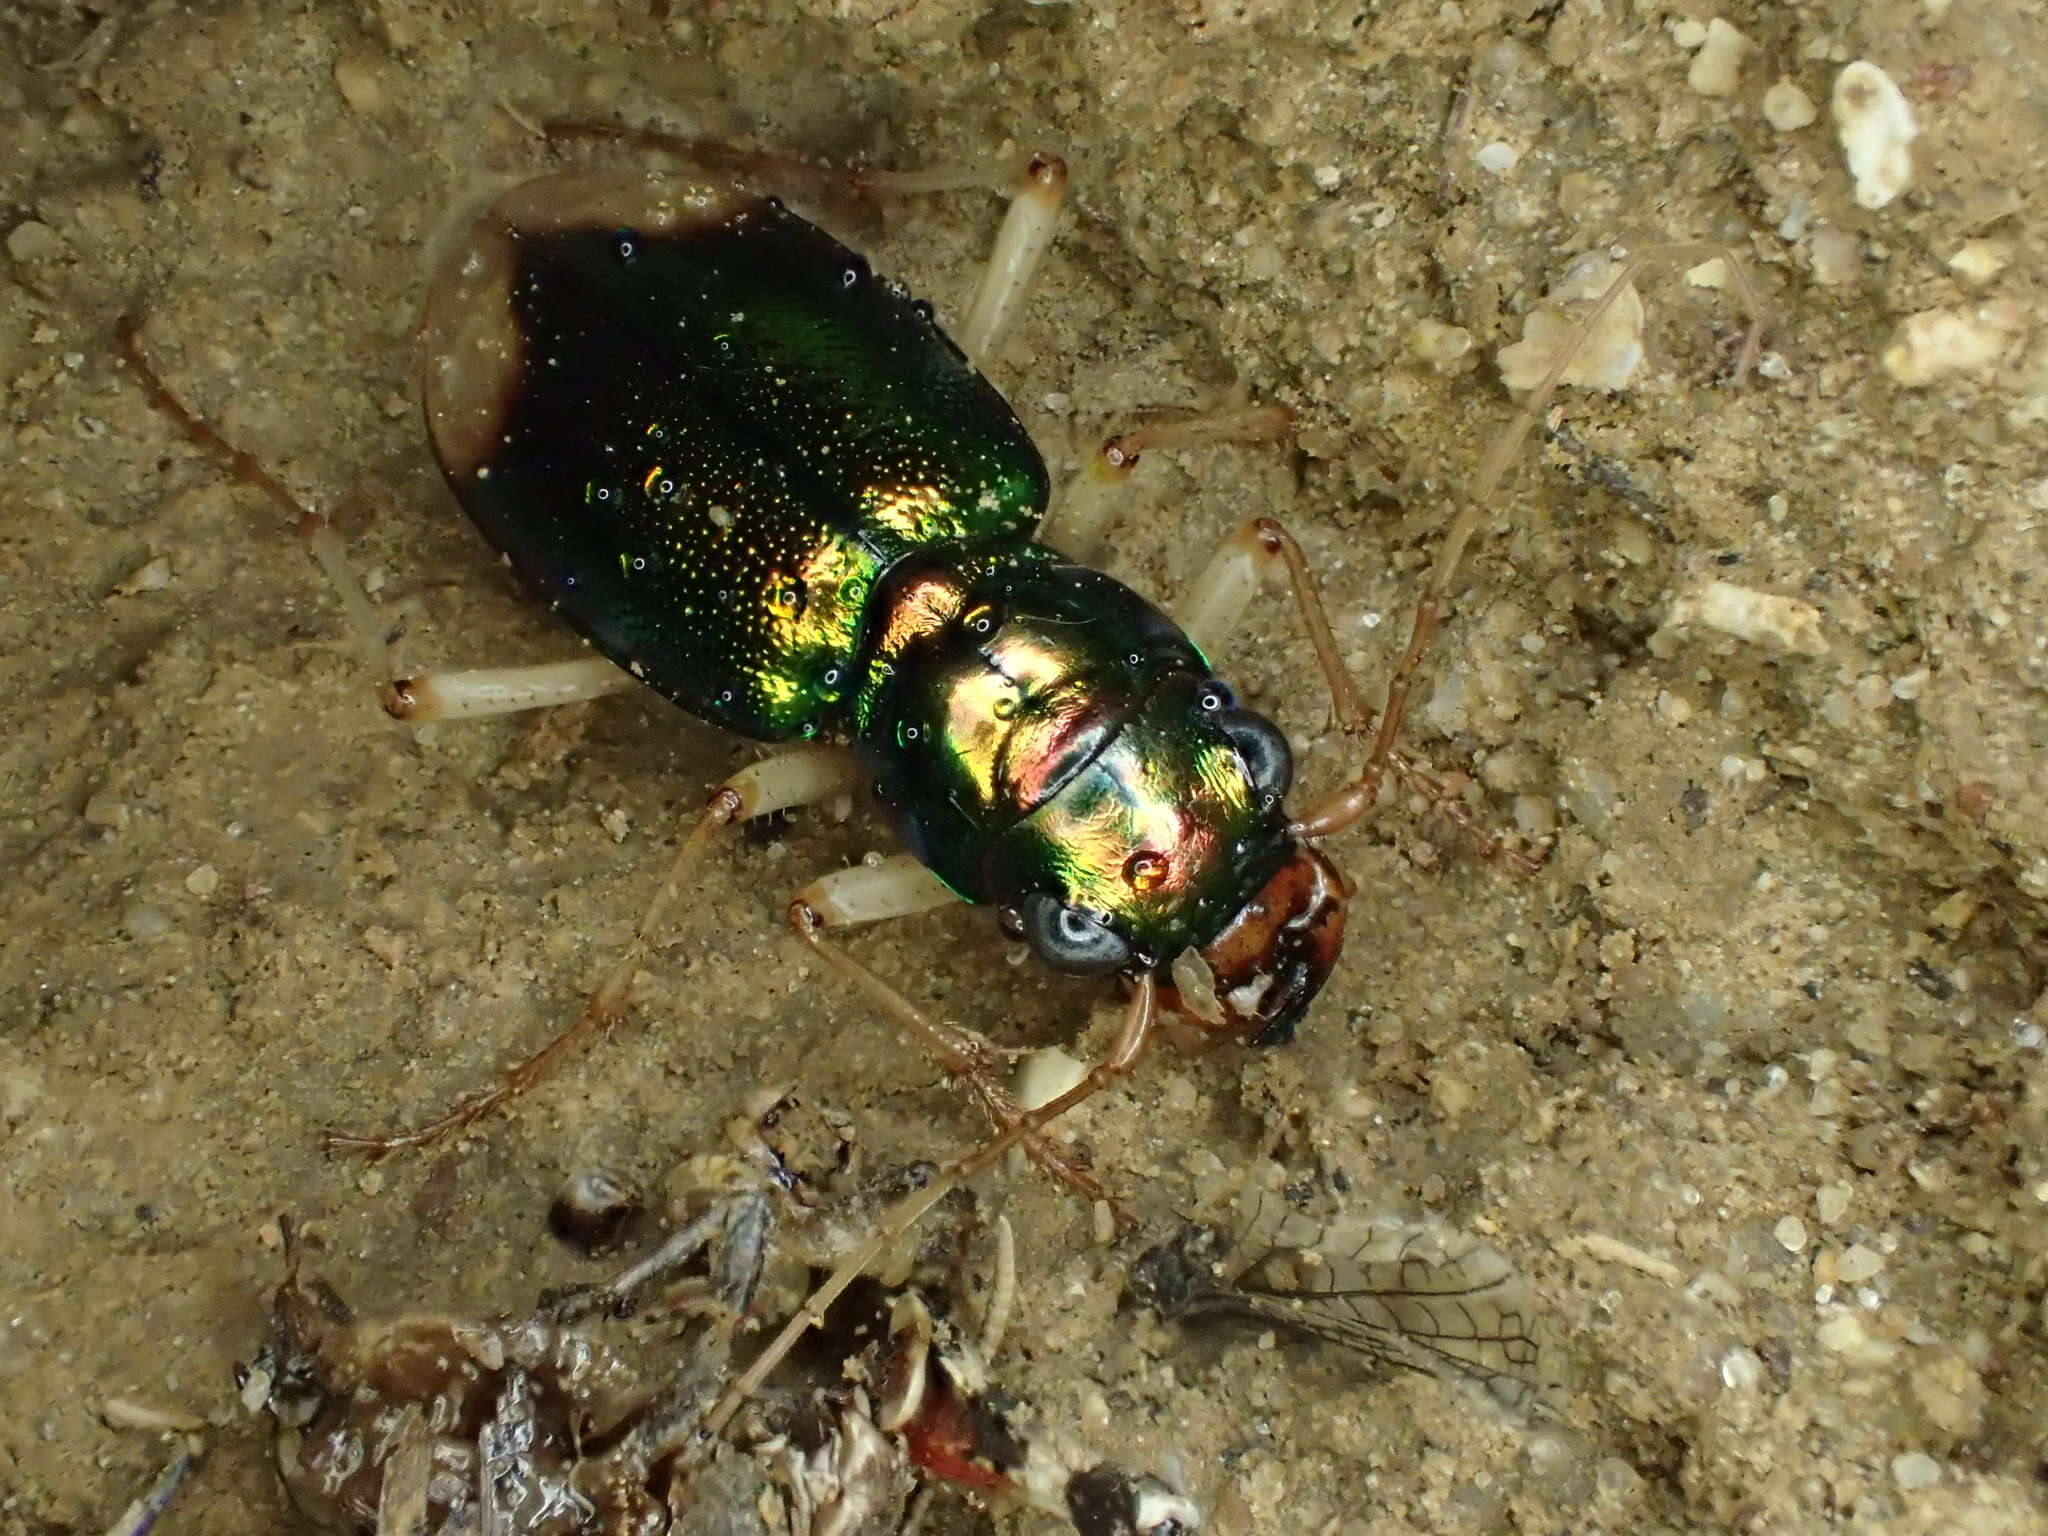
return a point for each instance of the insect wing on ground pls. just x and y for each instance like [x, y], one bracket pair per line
[1421, 1297]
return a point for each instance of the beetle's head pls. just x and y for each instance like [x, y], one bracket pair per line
[1170, 854]
[1256, 978]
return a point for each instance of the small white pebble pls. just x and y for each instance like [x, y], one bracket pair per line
[1328, 177]
[1916, 1469]
[152, 576]
[1845, 1334]
[1044, 1075]
[1438, 344]
[1831, 1203]
[203, 881]
[1741, 1369]
[1875, 123]
[357, 81]
[1837, 257]
[1858, 1264]
[1939, 343]
[1497, 158]
[1059, 402]
[1980, 260]
[1773, 366]
[1096, 1416]
[1798, 217]
[1711, 273]
[31, 241]
[1687, 33]
[1761, 618]
[1791, 1234]
[1606, 358]
[144, 922]
[256, 1384]
[1717, 68]
[1787, 108]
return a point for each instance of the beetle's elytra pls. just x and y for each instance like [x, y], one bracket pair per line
[766, 482]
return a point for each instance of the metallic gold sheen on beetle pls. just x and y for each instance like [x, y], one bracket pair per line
[766, 482]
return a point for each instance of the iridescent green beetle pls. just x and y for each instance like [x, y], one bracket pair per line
[764, 482]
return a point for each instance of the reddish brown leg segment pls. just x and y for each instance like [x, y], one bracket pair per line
[1257, 554]
[793, 778]
[966, 1057]
[1131, 1043]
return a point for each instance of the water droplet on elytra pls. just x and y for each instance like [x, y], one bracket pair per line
[1145, 870]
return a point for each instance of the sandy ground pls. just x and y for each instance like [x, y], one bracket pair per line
[1748, 1079]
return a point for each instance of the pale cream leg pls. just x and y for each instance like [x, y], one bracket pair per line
[1213, 606]
[1021, 244]
[470, 695]
[897, 886]
[486, 691]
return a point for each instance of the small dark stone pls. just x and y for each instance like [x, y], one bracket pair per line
[1930, 981]
[1693, 804]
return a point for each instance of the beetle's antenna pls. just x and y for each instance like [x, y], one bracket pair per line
[1355, 799]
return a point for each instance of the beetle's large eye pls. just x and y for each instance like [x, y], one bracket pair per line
[1268, 760]
[1072, 939]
